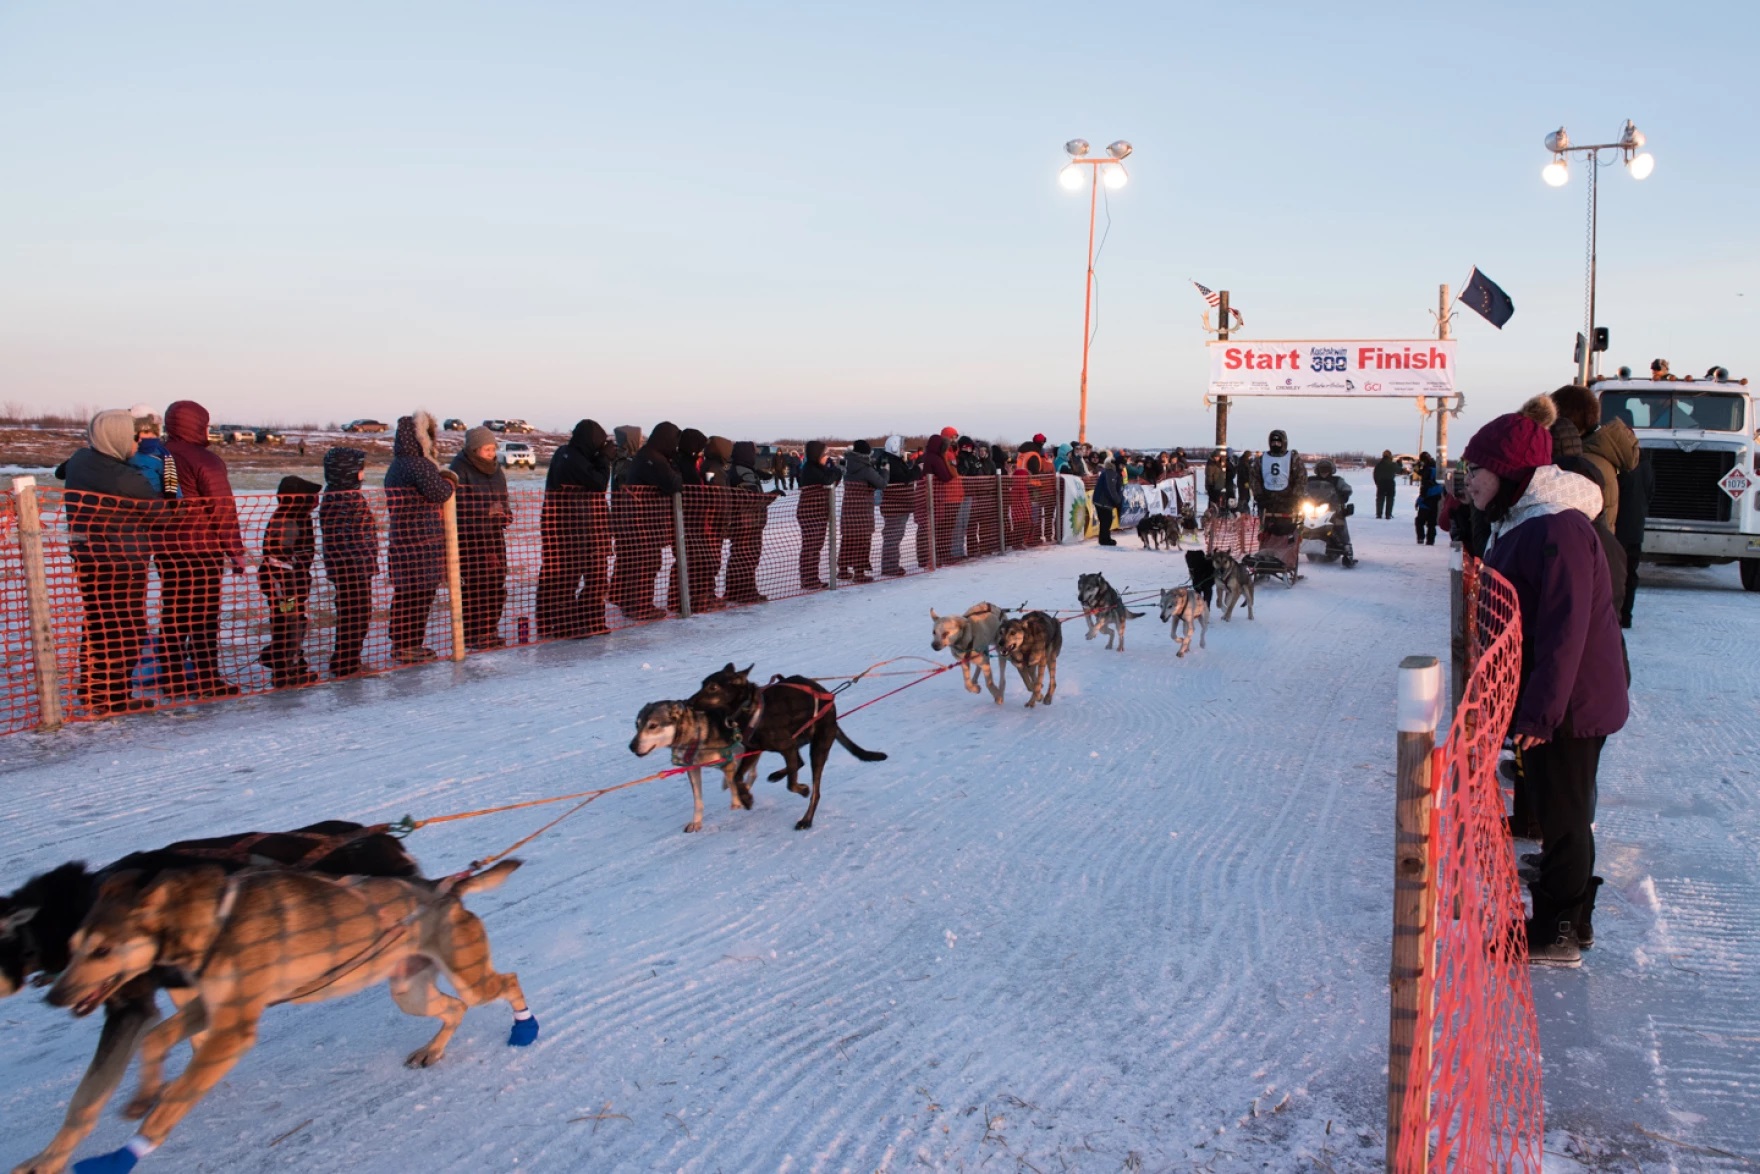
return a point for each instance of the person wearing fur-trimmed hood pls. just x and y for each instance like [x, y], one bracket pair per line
[575, 533]
[484, 513]
[415, 485]
[1572, 692]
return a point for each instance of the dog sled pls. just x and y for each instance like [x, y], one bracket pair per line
[1279, 555]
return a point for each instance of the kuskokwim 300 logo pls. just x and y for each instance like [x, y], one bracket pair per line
[1326, 359]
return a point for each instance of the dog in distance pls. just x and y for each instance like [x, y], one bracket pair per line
[1158, 530]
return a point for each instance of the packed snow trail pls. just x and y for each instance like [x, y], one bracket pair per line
[1150, 919]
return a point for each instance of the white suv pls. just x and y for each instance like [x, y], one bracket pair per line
[516, 452]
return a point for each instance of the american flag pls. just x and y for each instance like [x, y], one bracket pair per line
[1214, 299]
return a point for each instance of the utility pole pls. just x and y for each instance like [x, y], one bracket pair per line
[1222, 400]
[1442, 334]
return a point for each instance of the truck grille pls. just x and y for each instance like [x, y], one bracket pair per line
[1686, 485]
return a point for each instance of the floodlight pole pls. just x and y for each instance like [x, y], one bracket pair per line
[1088, 290]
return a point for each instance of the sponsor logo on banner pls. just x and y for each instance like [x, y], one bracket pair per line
[1390, 368]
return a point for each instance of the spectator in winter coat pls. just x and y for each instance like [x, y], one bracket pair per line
[575, 532]
[1429, 500]
[290, 546]
[866, 484]
[1216, 478]
[1567, 454]
[1108, 499]
[697, 509]
[813, 510]
[151, 456]
[1386, 474]
[898, 503]
[351, 554]
[1611, 447]
[483, 517]
[949, 492]
[1635, 490]
[201, 542]
[1153, 468]
[112, 509]
[641, 520]
[629, 443]
[415, 554]
[717, 476]
[748, 511]
[1573, 685]
[1243, 482]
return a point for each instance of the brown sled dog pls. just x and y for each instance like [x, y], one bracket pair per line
[697, 740]
[251, 940]
[1032, 644]
[783, 716]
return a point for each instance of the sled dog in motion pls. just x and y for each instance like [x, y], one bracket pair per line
[1102, 608]
[783, 716]
[1184, 609]
[697, 740]
[1158, 530]
[251, 940]
[38, 921]
[1031, 644]
[1234, 583]
[970, 638]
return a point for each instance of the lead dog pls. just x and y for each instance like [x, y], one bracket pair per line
[697, 740]
[970, 638]
[783, 716]
[1102, 608]
[1032, 644]
[251, 940]
[1184, 607]
[39, 919]
[1234, 582]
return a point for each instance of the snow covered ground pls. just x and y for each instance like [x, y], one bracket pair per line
[1145, 928]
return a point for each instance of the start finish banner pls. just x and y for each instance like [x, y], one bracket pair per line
[1352, 367]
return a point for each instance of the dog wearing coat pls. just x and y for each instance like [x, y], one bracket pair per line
[970, 637]
[697, 740]
[1184, 608]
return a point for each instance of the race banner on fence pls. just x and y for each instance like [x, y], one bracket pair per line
[1355, 368]
[1078, 524]
[1169, 497]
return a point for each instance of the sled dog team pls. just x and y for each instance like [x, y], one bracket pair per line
[230, 926]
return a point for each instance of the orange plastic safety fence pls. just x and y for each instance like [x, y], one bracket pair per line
[1473, 1099]
[148, 610]
[1237, 535]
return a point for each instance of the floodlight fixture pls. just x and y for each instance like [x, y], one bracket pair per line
[1071, 177]
[1556, 173]
[1114, 177]
[1119, 149]
[1076, 148]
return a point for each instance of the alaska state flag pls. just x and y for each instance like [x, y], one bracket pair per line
[1487, 299]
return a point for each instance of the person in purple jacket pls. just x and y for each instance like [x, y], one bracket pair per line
[1573, 679]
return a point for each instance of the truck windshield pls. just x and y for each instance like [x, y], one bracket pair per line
[1708, 410]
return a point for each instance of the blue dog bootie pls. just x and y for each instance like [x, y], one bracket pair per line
[525, 1030]
[117, 1161]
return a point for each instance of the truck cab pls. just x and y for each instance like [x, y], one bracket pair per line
[1703, 444]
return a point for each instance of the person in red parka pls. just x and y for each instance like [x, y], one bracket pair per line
[938, 459]
[201, 541]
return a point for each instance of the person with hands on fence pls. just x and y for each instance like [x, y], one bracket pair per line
[575, 536]
[748, 512]
[290, 547]
[484, 514]
[864, 490]
[415, 550]
[697, 508]
[813, 510]
[351, 554]
[112, 510]
[1573, 682]
[201, 541]
[641, 522]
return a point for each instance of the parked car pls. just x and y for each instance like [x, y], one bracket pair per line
[516, 452]
[366, 426]
[495, 425]
[269, 436]
[515, 426]
[455, 425]
[233, 433]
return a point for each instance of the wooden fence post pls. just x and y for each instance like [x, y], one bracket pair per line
[1457, 629]
[1414, 878]
[831, 493]
[454, 576]
[36, 585]
[1002, 514]
[681, 562]
[929, 489]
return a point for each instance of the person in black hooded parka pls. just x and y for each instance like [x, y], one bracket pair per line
[576, 532]
[698, 553]
[641, 521]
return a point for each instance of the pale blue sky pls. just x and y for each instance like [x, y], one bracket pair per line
[833, 219]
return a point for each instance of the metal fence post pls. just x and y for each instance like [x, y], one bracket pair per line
[1002, 514]
[681, 563]
[929, 492]
[454, 575]
[1414, 878]
[832, 493]
[36, 585]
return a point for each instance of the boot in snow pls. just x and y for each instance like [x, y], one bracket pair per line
[1583, 925]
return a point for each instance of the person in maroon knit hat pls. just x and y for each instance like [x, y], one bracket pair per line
[1573, 681]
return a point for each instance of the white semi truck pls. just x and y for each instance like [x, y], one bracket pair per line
[1703, 443]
